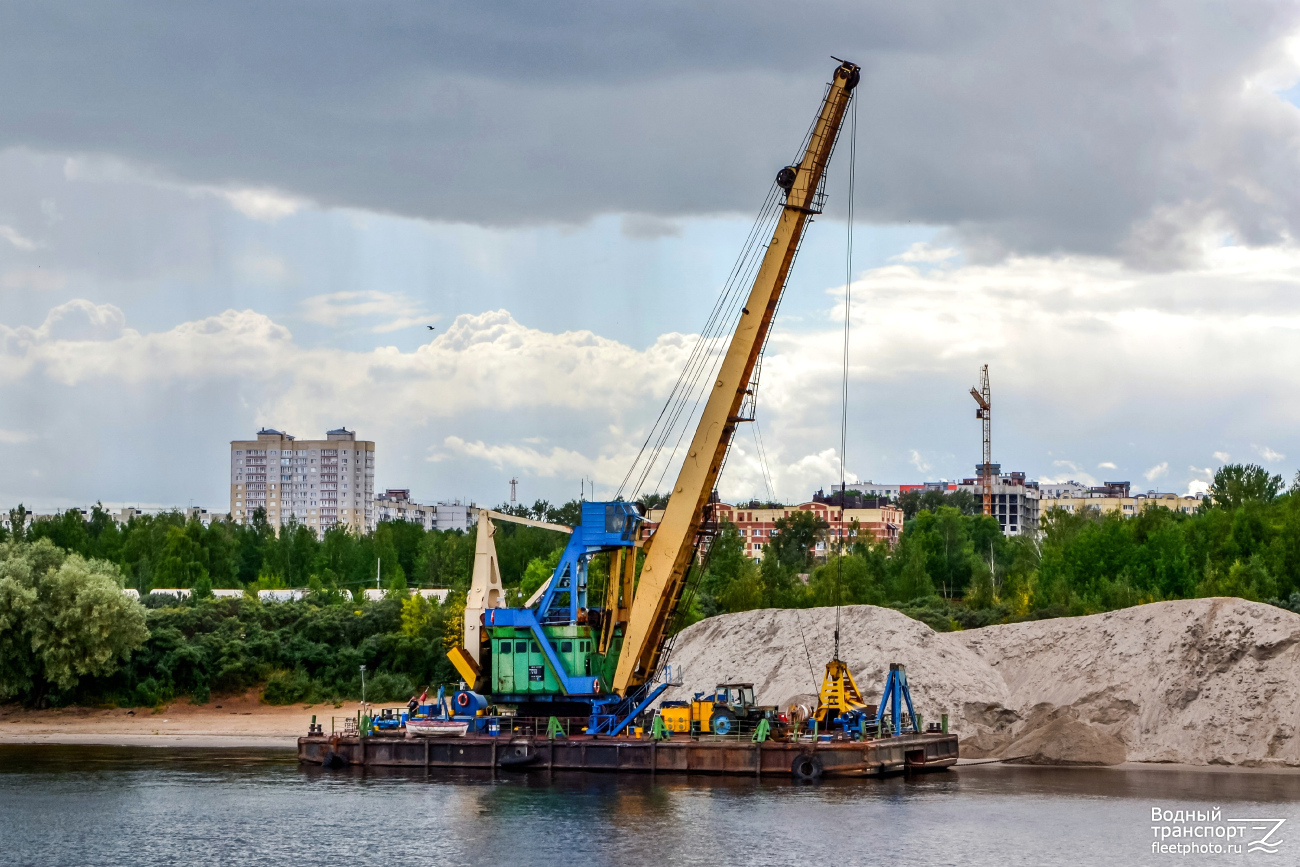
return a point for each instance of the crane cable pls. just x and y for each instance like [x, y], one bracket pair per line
[844, 381]
[704, 355]
[707, 353]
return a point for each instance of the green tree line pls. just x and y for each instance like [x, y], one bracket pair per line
[167, 550]
[953, 568]
[67, 633]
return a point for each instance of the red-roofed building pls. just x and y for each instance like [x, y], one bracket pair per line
[757, 526]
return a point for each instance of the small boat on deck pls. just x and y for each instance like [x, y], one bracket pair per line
[435, 728]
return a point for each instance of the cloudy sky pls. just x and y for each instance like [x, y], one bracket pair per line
[222, 216]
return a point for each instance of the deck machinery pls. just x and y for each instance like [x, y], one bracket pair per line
[564, 650]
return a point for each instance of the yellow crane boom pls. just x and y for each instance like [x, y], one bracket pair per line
[671, 550]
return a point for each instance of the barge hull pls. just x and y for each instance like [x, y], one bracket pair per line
[623, 755]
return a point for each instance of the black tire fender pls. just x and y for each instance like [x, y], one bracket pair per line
[806, 768]
[517, 755]
[333, 761]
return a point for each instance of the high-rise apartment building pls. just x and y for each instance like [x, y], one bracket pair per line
[316, 483]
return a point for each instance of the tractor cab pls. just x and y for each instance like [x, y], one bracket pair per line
[728, 709]
[738, 696]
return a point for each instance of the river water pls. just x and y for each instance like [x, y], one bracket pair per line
[148, 806]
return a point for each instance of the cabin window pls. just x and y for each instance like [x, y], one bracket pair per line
[566, 647]
[536, 649]
[505, 647]
[521, 647]
[614, 519]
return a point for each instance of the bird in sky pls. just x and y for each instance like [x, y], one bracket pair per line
[430, 327]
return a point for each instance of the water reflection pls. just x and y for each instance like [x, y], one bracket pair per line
[98, 805]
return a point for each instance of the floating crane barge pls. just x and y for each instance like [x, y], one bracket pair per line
[604, 660]
[907, 753]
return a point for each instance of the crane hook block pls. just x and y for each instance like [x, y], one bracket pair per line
[785, 177]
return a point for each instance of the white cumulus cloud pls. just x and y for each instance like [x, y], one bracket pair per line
[1159, 470]
[393, 309]
[19, 240]
[1268, 454]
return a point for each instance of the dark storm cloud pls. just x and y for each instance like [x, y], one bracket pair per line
[1101, 128]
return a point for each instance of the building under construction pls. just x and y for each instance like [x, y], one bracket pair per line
[1014, 501]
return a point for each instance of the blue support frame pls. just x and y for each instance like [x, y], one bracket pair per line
[605, 526]
[896, 693]
[615, 720]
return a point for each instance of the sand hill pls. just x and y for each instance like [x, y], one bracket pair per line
[1204, 681]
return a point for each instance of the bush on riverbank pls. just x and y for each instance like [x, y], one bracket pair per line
[300, 651]
[68, 635]
[63, 619]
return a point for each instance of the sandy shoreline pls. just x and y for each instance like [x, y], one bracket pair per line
[231, 721]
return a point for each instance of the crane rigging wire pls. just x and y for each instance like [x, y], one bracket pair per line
[707, 354]
[746, 265]
[844, 360]
[691, 585]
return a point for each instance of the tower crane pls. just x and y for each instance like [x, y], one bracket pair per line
[985, 413]
[559, 650]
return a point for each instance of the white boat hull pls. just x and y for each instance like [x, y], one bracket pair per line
[435, 728]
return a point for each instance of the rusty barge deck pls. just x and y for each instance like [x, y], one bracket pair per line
[805, 759]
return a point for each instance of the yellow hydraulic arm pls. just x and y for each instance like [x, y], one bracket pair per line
[670, 552]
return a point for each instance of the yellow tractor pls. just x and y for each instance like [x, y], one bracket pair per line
[730, 709]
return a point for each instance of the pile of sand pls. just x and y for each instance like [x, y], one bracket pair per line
[1204, 681]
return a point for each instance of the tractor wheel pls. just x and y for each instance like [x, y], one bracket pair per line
[806, 769]
[723, 723]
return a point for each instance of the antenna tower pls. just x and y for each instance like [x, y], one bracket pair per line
[985, 413]
[513, 483]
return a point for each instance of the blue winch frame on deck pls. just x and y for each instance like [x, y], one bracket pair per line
[896, 694]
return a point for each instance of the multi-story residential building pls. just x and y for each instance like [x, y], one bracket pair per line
[455, 515]
[317, 483]
[124, 516]
[395, 504]
[1114, 497]
[1057, 490]
[197, 513]
[893, 492]
[757, 526]
[1015, 501]
[871, 489]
